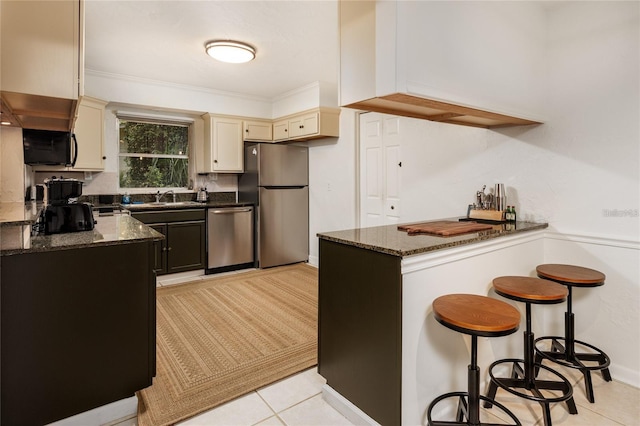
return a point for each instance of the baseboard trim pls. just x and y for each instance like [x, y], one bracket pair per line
[125, 408]
[346, 407]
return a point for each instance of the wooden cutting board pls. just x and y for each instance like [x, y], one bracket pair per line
[444, 228]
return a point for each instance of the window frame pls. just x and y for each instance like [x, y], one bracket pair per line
[161, 120]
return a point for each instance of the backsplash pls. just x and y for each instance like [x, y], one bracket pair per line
[151, 197]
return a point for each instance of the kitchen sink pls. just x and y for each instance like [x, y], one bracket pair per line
[165, 204]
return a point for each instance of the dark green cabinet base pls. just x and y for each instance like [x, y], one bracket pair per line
[77, 330]
[183, 248]
[360, 328]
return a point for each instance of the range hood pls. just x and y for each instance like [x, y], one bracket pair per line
[38, 112]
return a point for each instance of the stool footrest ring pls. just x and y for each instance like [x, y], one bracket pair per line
[573, 359]
[461, 412]
[517, 381]
[558, 355]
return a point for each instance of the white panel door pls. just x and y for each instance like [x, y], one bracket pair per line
[371, 171]
[392, 166]
[380, 166]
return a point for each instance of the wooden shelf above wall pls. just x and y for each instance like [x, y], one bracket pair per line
[428, 109]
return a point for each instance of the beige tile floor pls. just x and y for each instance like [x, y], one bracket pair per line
[297, 401]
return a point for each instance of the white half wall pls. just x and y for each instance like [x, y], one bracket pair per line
[606, 316]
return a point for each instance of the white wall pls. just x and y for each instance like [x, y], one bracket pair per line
[332, 182]
[486, 54]
[574, 172]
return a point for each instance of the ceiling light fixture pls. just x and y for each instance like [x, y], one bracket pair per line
[234, 52]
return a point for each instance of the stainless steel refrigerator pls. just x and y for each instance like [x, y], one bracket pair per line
[276, 180]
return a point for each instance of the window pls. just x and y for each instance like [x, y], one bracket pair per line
[153, 154]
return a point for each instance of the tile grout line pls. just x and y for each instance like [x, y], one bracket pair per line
[277, 414]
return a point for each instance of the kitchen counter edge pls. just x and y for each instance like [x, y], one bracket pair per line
[109, 230]
[389, 240]
[194, 205]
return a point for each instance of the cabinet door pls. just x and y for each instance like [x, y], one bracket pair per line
[89, 132]
[258, 131]
[185, 246]
[227, 145]
[281, 130]
[303, 125]
[41, 48]
[160, 250]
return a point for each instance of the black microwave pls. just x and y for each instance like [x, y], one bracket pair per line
[48, 147]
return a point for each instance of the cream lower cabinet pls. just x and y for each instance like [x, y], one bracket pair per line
[223, 145]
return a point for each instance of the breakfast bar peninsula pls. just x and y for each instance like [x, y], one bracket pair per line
[379, 347]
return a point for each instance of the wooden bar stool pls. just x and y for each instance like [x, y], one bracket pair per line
[477, 316]
[573, 276]
[523, 374]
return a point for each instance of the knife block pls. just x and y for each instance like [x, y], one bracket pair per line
[496, 215]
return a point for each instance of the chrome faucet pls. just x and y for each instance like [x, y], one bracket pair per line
[159, 196]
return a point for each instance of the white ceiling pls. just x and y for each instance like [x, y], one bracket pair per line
[296, 42]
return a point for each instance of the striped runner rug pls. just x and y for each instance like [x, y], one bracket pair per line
[220, 338]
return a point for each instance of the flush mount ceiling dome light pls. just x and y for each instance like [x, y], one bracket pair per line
[234, 52]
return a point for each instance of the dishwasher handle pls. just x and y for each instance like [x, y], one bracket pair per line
[231, 210]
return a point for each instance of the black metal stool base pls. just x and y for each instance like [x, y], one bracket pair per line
[462, 412]
[518, 380]
[572, 359]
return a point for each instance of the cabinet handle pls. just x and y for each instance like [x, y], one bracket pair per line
[391, 209]
[301, 126]
[168, 248]
[215, 161]
[285, 130]
[104, 157]
[246, 130]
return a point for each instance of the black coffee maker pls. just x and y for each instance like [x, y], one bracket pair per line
[63, 213]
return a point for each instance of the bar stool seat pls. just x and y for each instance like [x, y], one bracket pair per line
[565, 354]
[523, 373]
[477, 316]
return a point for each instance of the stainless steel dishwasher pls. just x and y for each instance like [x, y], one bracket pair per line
[229, 238]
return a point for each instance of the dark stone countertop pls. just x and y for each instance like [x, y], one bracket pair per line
[182, 205]
[18, 214]
[109, 230]
[388, 239]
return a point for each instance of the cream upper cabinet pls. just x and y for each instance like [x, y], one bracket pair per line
[223, 144]
[312, 124]
[89, 131]
[304, 125]
[258, 130]
[42, 61]
[280, 130]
